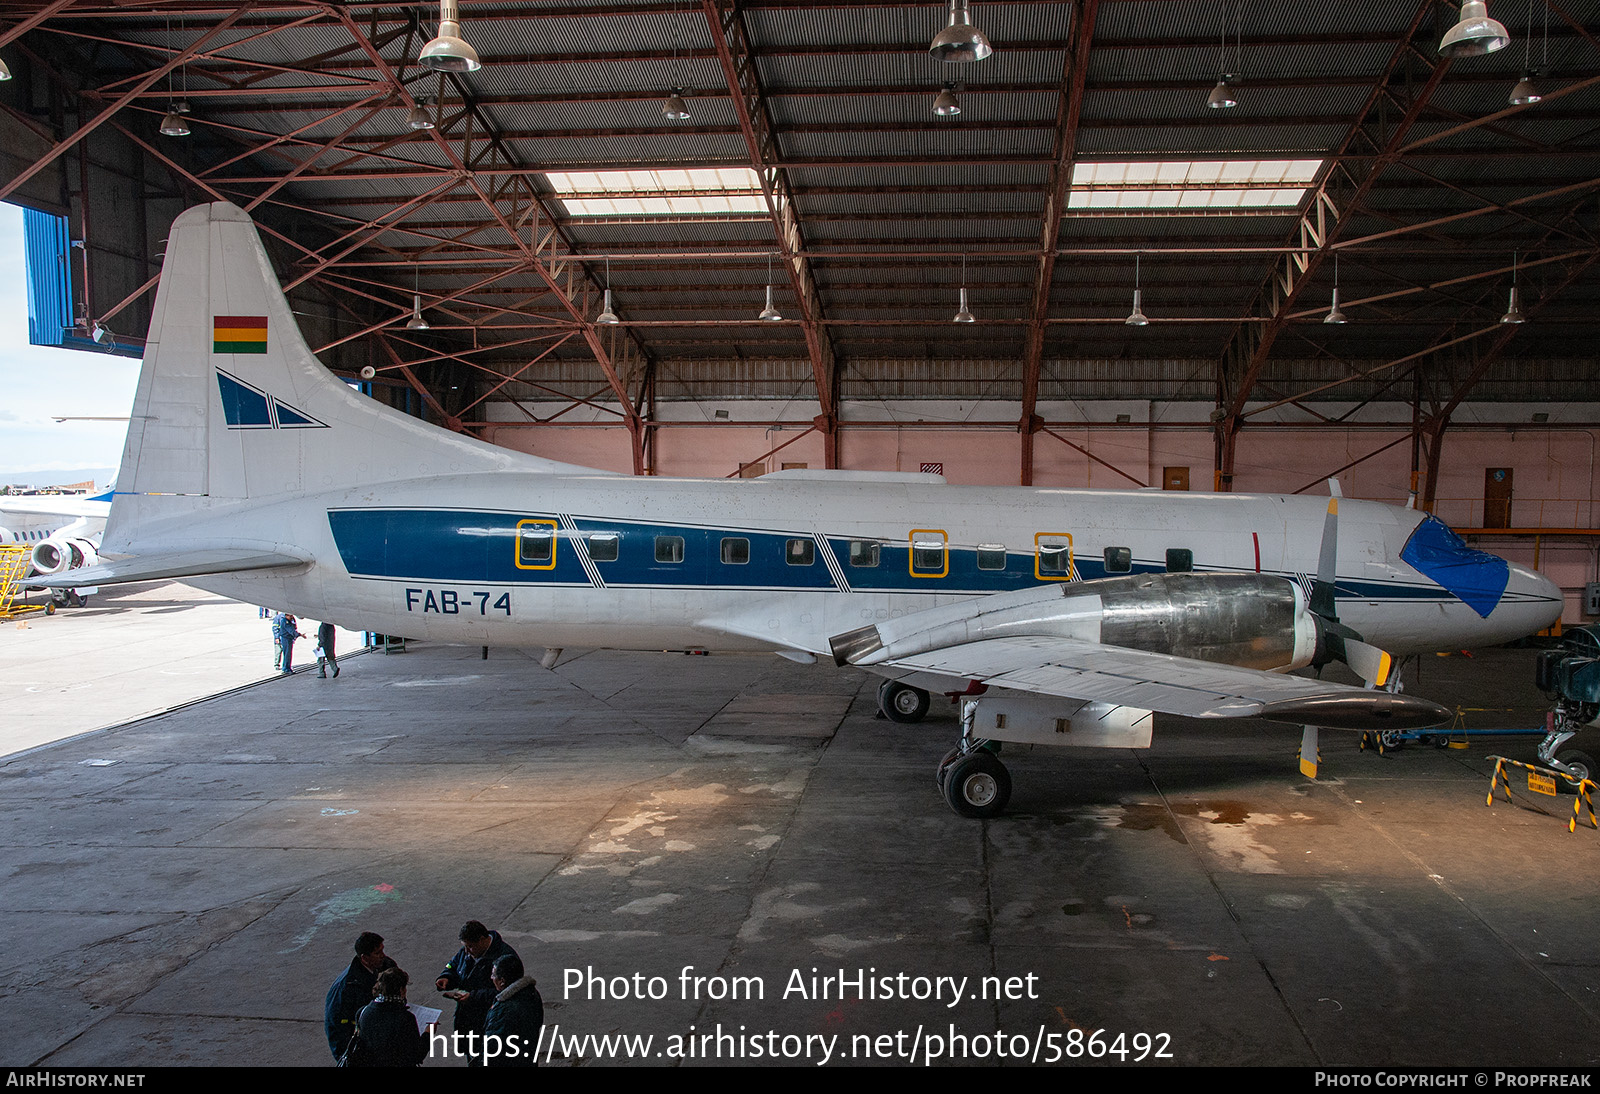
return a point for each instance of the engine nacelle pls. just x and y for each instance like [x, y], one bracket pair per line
[1251, 620]
[55, 556]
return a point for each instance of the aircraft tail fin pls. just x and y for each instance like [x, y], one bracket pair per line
[232, 405]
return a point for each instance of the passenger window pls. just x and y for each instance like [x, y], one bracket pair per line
[863, 552]
[1180, 560]
[930, 552]
[735, 551]
[603, 546]
[536, 544]
[800, 552]
[1119, 560]
[669, 548]
[991, 556]
[1052, 555]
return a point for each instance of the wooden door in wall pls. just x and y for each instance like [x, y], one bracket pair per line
[1497, 497]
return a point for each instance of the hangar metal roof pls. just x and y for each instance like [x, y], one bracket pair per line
[1432, 195]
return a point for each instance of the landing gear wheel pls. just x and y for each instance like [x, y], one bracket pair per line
[943, 770]
[74, 599]
[1584, 766]
[902, 703]
[1390, 741]
[978, 785]
[50, 608]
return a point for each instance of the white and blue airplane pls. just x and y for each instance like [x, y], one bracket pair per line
[1061, 616]
[62, 533]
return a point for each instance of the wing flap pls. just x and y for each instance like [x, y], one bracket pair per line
[168, 567]
[1078, 669]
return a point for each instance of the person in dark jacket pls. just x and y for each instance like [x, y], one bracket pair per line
[466, 979]
[515, 1018]
[386, 1031]
[353, 990]
[326, 636]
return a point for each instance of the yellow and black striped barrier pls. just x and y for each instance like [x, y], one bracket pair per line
[1542, 780]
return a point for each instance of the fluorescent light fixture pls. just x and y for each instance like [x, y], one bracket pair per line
[1189, 186]
[658, 193]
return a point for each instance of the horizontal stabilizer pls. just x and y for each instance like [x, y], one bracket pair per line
[168, 567]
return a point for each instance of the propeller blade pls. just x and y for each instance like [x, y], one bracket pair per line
[1322, 598]
[1309, 756]
[1368, 662]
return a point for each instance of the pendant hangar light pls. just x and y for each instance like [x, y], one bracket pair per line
[1222, 96]
[770, 312]
[174, 125]
[1513, 306]
[1335, 314]
[960, 42]
[449, 52]
[673, 107]
[1525, 93]
[418, 117]
[607, 316]
[964, 316]
[416, 322]
[5, 70]
[945, 103]
[1476, 33]
[1137, 318]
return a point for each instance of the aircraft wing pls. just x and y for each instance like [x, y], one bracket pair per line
[60, 506]
[164, 567]
[1079, 669]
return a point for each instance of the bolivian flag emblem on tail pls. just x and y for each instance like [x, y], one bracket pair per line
[239, 334]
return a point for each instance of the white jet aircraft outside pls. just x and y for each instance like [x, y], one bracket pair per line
[1064, 616]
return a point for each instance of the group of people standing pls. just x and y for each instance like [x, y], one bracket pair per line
[285, 629]
[498, 1006]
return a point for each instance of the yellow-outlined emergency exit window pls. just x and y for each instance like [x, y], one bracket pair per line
[1052, 556]
[930, 552]
[536, 545]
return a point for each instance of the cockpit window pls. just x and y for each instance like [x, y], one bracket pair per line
[1476, 577]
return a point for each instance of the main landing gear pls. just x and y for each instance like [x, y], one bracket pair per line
[902, 702]
[971, 777]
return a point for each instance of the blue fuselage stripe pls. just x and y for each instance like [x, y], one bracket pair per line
[475, 546]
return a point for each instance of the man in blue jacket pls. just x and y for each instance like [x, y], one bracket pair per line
[467, 980]
[353, 990]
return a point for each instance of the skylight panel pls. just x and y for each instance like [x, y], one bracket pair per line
[664, 193]
[1190, 186]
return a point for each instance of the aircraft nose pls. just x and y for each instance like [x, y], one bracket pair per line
[1531, 602]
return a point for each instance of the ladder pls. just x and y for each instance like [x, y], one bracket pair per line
[14, 566]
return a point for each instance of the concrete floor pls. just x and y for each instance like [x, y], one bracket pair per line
[640, 814]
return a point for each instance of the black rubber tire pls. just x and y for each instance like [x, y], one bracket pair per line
[1577, 759]
[942, 772]
[903, 703]
[978, 785]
